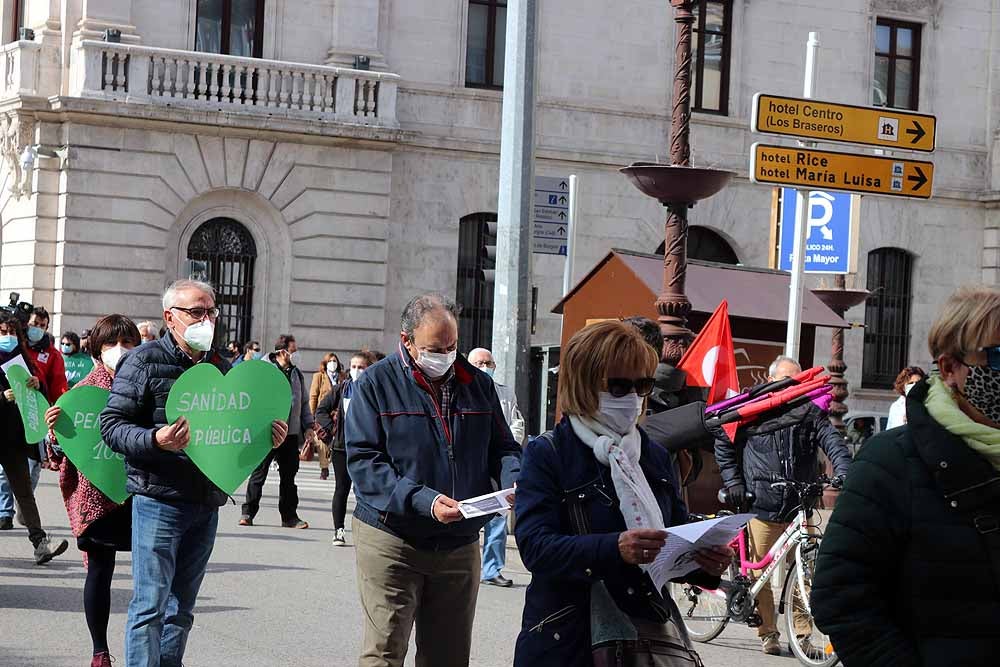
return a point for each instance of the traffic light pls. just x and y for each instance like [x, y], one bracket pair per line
[488, 234]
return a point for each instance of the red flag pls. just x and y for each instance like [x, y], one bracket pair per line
[710, 361]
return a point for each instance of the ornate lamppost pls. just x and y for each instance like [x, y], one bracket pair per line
[677, 186]
[839, 300]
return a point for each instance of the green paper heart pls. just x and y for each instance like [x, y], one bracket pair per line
[30, 403]
[79, 431]
[230, 417]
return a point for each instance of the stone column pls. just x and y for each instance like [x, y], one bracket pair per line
[356, 33]
[31, 203]
[100, 15]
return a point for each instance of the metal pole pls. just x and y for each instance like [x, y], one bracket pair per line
[796, 285]
[574, 201]
[512, 298]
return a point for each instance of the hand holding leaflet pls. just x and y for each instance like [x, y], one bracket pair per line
[676, 558]
[491, 503]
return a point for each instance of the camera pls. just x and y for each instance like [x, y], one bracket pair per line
[20, 309]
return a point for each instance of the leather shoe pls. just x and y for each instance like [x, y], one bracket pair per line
[500, 581]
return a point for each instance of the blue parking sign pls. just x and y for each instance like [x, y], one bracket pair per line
[828, 242]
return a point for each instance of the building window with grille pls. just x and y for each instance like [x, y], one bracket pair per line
[230, 27]
[477, 247]
[485, 41]
[223, 253]
[897, 64]
[887, 317]
[710, 48]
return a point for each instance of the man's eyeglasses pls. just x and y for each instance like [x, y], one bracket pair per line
[619, 387]
[199, 314]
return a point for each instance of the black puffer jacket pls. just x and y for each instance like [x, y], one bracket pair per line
[903, 577]
[137, 408]
[781, 447]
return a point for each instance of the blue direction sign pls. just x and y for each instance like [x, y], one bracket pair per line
[551, 219]
[829, 240]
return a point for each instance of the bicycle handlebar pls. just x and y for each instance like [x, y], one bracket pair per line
[809, 489]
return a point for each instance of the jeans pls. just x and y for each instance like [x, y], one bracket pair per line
[171, 544]
[494, 547]
[287, 456]
[6, 497]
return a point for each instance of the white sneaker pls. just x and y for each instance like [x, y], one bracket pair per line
[44, 551]
[339, 538]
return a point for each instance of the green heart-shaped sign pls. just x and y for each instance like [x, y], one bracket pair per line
[79, 431]
[31, 404]
[230, 417]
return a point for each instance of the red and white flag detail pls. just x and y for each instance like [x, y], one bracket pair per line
[710, 361]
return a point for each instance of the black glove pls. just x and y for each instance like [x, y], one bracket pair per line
[838, 481]
[736, 495]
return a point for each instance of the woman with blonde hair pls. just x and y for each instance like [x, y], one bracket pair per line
[325, 380]
[909, 570]
[593, 498]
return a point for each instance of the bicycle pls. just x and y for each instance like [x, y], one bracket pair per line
[706, 612]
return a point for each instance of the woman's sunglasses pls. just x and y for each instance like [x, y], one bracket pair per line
[992, 356]
[619, 387]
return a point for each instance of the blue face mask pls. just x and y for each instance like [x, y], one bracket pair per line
[67, 349]
[258, 355]
[8, 343]
[35, 334]
[489, 371]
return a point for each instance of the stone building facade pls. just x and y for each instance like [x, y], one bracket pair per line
[322, 196]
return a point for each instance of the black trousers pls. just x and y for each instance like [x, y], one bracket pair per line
[14, 460]
[287, 456]
[341, 488]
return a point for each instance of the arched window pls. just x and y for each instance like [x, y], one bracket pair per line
[477, 247]
[887, 316]
[223, 252]
[707, 245]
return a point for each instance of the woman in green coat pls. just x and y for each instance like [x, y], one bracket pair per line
[909, 569]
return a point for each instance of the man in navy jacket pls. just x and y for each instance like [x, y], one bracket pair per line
[424, 430]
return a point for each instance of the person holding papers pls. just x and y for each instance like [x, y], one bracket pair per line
[424, 431]
[593, 500]
[14, 450]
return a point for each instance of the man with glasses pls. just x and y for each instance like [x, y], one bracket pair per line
[424, 431]
[174, 506]
[495, 532]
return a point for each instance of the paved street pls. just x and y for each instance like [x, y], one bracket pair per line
[271, 597]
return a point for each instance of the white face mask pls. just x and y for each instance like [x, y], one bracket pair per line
[619, 414]
[356, 373]
[435, 364]
[295, 357]
[111, 356]
[332, 367]
[200, 335]
[907, 387]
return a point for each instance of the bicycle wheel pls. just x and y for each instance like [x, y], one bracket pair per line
[705, 612]
[806, 641]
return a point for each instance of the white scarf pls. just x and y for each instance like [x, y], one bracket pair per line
[621, 453]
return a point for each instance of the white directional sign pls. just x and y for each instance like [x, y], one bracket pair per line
[551, 219]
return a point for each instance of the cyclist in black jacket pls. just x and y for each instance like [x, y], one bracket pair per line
[780, 447]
